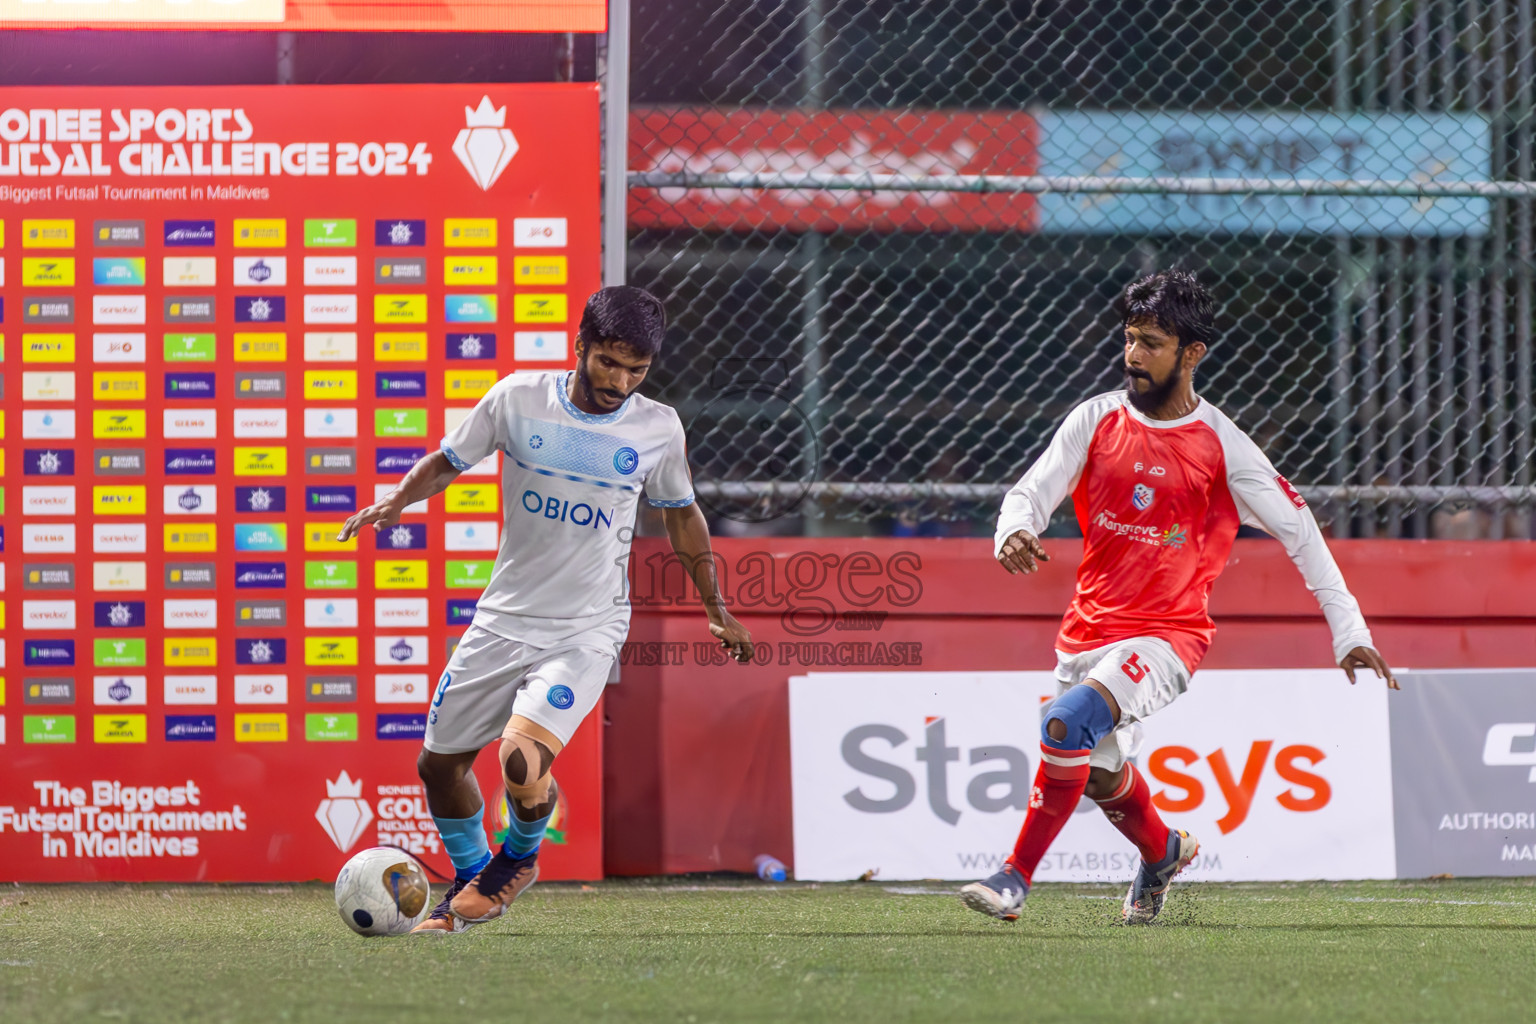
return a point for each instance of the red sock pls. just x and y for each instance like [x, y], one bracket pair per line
[1059, 785]
[1130, 810]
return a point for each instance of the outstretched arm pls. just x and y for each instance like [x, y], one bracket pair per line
[1266, 499]
[1366, 657]
[430, 476]
[1028, 505]
[689, 534]
[479, 434]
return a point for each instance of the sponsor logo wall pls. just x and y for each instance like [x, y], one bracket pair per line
[212, 381]
[1283, 774]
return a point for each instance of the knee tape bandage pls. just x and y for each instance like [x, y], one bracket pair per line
[1084, 713]
[528, 762]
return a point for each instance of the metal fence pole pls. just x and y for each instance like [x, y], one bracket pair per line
[1340, 56]
[1397, 416]
[614, 75]
[1445, 392]
[1419, 401]
[286, 43]
[1370, 382]
[1526, 67]
[1344, 288]
[1419, 366]
[1472, 359]
[565, 57]
[1370, 73]
[1445, 11]
[812, 262]
[1498, 310]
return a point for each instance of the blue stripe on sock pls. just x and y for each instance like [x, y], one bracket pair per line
[464, 839]
[524, 837]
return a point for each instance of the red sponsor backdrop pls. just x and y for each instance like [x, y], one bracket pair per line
[486, 188]
[242, 812]
[706, 141]
[708, 744]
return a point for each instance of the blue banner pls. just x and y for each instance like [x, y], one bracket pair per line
[1392, 147]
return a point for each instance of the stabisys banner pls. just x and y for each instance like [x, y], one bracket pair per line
[1282, 774]
[231, 317]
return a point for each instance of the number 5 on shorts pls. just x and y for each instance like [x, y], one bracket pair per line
[1134, 668]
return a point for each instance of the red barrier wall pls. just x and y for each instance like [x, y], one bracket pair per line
[696, 762]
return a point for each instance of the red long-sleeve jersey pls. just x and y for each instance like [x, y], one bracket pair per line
[1159, 503]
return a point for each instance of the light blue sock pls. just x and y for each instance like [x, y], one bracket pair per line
[524, 837]
[464, 839]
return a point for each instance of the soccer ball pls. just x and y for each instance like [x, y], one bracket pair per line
[382, 891]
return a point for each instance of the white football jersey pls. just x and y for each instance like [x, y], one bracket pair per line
[571, 484]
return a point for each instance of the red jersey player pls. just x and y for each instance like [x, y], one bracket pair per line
[1160, 480]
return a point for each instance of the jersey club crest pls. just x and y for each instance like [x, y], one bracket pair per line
[1141, 497]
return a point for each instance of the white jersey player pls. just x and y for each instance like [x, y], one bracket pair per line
[578, 449]
[1160, 480]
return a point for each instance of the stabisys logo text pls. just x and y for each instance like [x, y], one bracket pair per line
[1003, 775]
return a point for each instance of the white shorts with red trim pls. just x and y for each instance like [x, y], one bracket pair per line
[1145, 676]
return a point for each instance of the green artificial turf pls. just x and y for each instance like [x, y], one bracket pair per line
[694, 951]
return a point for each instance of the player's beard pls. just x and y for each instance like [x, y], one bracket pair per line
[1152, 399]
[584, 382]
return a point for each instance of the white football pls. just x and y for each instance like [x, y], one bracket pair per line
[383, 891]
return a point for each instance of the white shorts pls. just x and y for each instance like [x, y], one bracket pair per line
[1143, 673]
[490, 678]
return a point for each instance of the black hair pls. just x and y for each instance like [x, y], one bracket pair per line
[1173, 300]
[624, 314]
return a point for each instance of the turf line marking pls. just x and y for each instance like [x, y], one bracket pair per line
[1446, 903]
[715, 888]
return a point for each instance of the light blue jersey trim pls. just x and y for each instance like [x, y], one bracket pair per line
[562, 382]
[671, 503]
[453, 458]
[579, 479]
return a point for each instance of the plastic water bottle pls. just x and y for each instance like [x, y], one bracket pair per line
[770, 869]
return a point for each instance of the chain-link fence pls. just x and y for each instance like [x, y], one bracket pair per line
[884, 338]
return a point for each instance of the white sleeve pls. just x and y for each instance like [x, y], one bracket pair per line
[1267, 500]
[669, 485]
[1030, 502]
[481, 432]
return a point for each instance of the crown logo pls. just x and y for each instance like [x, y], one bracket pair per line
[485, 146]
[343, 814]
[485, 116]
[343, 786]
